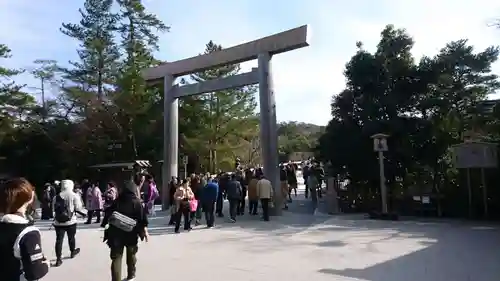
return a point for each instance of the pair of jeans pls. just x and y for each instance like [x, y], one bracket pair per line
[185, 212]
[209, 209]
[265, 208]
[61, 230]
[233, 208]
[116, 255]
[252, 206]
[91, 213]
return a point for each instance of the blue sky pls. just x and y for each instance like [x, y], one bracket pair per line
[306, 79]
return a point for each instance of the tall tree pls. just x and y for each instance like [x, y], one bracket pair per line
[98, 52]
[425, 107]
[139, 40]
[14, 103]
[45, 71]
[228, 116]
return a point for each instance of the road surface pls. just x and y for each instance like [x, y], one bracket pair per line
[299, 247]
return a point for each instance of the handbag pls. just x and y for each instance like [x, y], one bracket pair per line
[122, 222]
[193, 205]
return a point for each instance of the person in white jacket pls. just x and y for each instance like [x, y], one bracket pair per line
[264, 192]
[65, 205]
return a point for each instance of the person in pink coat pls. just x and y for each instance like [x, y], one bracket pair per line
[94, 203]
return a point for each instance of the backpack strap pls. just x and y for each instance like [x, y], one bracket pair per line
[17, 246]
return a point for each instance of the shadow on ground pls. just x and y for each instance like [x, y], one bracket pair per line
[449, 250]
[47, 224]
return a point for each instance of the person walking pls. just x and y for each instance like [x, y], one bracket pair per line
[182, 196]
[21, 250]
[66, 205]
[46, 202]
[125, 221]
[240, 177]
[223, 181]
[94, 204]
[234, 194]
[172, 188]
[197, 188]
[150, 195]
[253, 198]
[264, 192]
[110, 195]
[209, 197]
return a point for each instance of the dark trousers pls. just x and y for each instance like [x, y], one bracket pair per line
[208, 209]
[307, 188]
[47, 211]
[185, 212]
[61, 230]
[265, 208]
[219, 204]
[241, 205]
[233, 208]
[252, 206]
[116, 255]
[91, 213]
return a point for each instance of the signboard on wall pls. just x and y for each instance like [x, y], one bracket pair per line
[475, 155]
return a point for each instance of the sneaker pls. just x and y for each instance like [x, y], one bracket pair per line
[232, 220]
[75, 252]
[58, 263]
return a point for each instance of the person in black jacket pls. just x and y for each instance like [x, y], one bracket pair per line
[127, 204]
[223, 180]
[234, 193]
[21, 252]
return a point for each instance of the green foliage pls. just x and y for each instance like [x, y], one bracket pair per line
[219, 121]
[424, 106]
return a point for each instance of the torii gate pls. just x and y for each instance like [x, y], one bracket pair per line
[262, 50]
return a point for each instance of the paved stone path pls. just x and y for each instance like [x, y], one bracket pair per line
[297, 247]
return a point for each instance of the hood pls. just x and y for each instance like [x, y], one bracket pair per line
[13, 218]
[67, 185]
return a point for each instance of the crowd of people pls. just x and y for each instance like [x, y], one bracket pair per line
[126, 209]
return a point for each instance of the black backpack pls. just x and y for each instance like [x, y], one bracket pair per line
[61, 210]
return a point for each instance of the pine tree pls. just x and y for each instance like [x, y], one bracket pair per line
[137, 29]
[98, 52]
[14, 103]
[228, 115]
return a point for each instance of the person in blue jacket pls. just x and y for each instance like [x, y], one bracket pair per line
[209, 197]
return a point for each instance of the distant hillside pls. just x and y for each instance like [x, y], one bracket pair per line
[297, 139]
[306, 129]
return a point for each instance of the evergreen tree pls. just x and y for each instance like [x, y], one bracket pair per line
[14, 104]
[98, 52]
[227, 116]
[137, 29]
